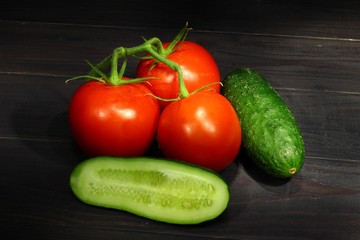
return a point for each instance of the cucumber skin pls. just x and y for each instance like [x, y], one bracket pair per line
[271, 135]
[85, 175]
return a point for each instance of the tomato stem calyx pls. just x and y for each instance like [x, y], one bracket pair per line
[178, 40]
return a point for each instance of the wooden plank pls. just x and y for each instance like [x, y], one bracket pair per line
[308, 51]
[260, 206]
[329, 120]
[333, 19]
[287, 62]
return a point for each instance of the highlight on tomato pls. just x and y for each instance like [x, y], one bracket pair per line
[202, 129]
[113, 120]
[197, 64]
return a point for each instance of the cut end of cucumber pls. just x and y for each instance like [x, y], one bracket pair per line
[292, 171]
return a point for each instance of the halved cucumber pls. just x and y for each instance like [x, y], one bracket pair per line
[158, 189]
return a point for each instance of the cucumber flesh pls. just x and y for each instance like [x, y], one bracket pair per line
[158, 189]
[271, 135]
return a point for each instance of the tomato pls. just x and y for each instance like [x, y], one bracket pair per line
[113, 120]
[202, 129]
[198, 66]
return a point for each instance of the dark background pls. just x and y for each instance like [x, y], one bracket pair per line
[308, 50]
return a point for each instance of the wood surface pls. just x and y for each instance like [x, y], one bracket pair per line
[308, 50]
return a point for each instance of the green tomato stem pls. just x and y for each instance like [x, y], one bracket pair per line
[154, 47]
[174, 66]
[180, 37]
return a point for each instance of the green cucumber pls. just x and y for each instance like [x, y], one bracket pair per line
[271, 135]
[158, 189]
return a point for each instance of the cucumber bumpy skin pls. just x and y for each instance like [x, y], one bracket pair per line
[158, 189]
[271, 135]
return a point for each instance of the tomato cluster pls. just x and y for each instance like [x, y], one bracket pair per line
[188, 117]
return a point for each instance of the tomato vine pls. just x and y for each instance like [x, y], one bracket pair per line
[153, 47]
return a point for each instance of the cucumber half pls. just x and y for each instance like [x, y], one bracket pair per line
[158, 189]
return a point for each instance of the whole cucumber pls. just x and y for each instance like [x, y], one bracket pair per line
[271, 135]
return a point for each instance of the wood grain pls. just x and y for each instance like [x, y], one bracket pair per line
[309, 51]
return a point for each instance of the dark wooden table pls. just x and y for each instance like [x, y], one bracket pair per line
[308, 50]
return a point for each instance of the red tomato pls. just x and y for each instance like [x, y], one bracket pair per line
[202, 129]
[113, 120]
[198, 66]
